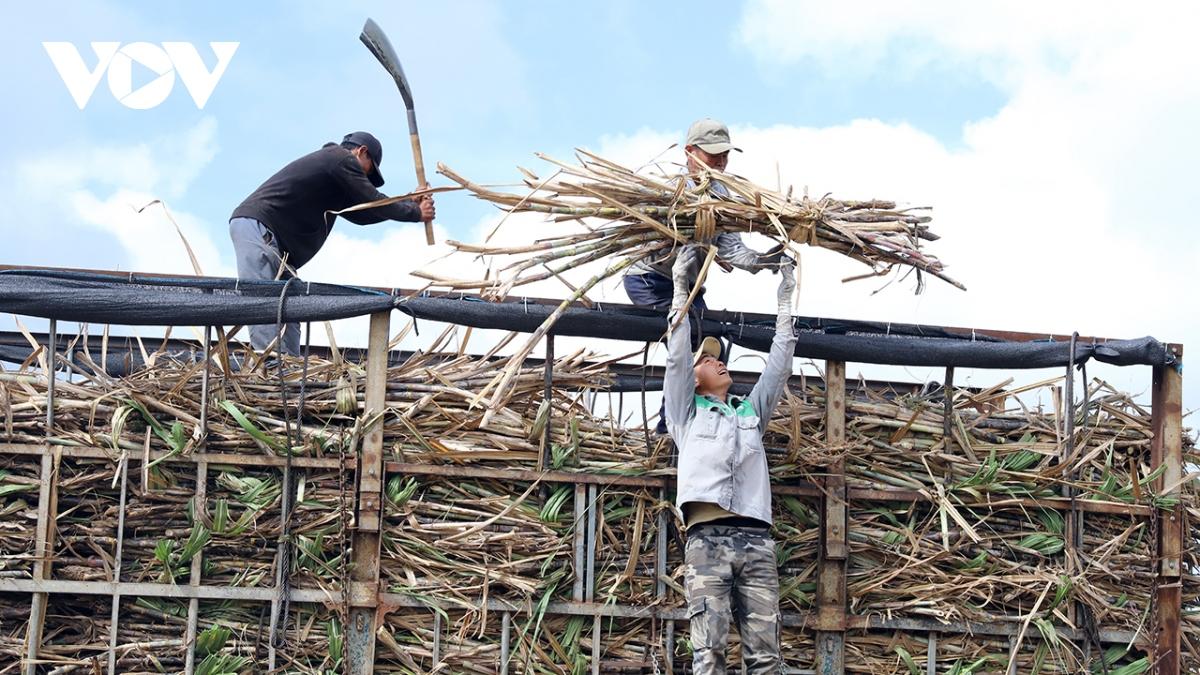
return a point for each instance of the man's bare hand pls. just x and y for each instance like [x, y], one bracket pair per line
[428, 211]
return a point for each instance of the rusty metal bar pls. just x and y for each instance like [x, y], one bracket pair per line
[799, 490]
[1167, 451]
[47, 514]
[259, 461]
[558, 608]
[833, 551]
[196, 571]
[42, 552]
[360, 634]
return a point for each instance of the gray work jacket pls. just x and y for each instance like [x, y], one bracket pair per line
[721, 456]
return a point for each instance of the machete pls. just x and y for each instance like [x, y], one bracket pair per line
[373, 37]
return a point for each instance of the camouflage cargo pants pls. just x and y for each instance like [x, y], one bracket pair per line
[730, 572]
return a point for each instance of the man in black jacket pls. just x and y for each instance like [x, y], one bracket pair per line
[282, 224]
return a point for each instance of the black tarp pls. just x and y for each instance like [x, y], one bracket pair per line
[145, 300]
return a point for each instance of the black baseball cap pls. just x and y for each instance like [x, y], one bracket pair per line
[374, 151]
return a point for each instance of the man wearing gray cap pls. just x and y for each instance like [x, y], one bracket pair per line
[282, 224]
[648, 283]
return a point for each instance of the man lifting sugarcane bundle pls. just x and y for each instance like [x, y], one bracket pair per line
[724, 489]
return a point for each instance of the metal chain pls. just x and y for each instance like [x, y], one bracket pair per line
[1152, 614]
[343, 517]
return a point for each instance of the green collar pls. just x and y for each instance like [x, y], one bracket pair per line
[739, 406]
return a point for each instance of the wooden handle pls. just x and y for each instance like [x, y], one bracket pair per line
[419, 163]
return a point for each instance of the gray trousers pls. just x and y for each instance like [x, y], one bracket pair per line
[731, 573]
[258, 259]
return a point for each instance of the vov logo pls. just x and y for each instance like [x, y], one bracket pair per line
[117, 61]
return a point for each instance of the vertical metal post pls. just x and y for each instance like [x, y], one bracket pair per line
[660, 573]
[194, 579]
[505, 630]
[51, 368]
[1073, 522]
[364, 573]
[282, 565]
[832, 554]
[189, 666]
[948, 408]
[580, 536]
[544, 460]
[204, 386]
[1166, 450]
[45, 522]
[116, 577]
[590, 590]
[931, 654]
[437, 639]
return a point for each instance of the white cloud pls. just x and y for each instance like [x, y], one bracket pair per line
[103, 187]
[1003, 41]
[1061, 211]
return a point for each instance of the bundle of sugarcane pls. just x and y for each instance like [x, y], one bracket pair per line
[549, 644]
[19, 481]
[627, 526]
[636, 216]
[980, 534]
[76, 634]
[459, 541]
[900, 566]
[230, 636]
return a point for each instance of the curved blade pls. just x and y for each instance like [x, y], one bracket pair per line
[372, 36]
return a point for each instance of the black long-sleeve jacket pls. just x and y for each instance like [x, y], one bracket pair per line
[293, 203]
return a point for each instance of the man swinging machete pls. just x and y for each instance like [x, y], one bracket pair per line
[285, 222]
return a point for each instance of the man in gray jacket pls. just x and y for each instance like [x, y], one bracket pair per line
[648, 283]
[724, 489]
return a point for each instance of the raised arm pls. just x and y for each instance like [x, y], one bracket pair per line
[732, 250]
[679, 382]
[769, 388]
[352, 179]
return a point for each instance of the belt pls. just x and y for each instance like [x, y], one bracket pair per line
[742, 522]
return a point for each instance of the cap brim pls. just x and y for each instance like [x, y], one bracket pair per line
[717, 148]
[710, 346]
[375, 177]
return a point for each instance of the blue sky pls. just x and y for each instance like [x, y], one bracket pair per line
[1053, 142]
[494, 82]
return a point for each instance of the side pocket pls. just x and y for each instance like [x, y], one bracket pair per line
[698, 625]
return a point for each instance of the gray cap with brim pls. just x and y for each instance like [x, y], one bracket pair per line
[710, 136]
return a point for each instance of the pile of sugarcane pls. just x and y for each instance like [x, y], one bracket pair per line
[625, 216]
[975, 536]
[151, 637]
